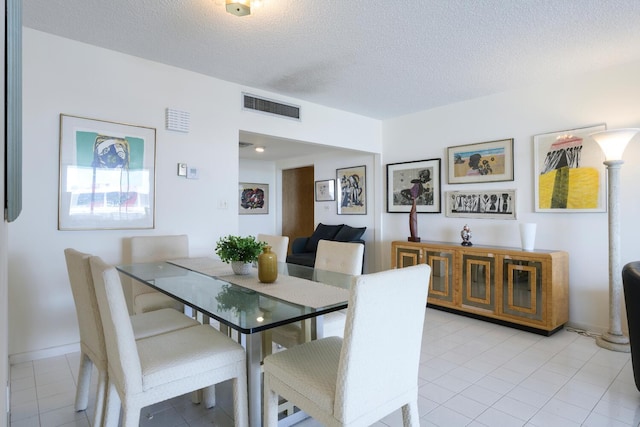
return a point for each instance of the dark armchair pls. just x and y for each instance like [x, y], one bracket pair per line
[303, 249]
[631, 284]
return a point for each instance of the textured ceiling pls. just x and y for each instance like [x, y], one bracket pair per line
[376, 58]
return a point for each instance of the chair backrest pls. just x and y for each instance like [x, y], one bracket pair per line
[383, 335]
[340, 257]
[156, 248]
[84, 297]
[279, 245]
[122, 353]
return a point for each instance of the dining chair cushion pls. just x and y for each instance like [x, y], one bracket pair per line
[339, 257]
[308, 372]
[159, 322]
[163, 357]
[151, 301]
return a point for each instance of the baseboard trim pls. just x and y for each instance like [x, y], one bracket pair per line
[30, 356]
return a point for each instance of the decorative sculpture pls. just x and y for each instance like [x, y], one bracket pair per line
[466, 236]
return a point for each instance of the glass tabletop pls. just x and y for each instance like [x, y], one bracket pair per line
[240, 308]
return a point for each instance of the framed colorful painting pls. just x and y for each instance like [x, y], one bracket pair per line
[409, 180]
[352, 190]
[482, 162]
[107, 175]
[253, 199]
[569, 172]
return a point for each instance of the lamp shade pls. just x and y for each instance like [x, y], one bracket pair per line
[613, 142]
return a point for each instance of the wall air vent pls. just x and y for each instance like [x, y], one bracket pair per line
[251, 102]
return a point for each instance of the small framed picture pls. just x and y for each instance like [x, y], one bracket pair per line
[325, 190]
[490, 204]
[570, 175]
[254, 199]
[419, 180]
[352, 190]
[482, 162]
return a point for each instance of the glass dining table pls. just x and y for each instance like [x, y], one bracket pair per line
[247, 306]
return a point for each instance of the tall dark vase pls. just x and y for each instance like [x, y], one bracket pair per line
[413, 223]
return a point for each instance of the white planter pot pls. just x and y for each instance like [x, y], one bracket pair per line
[241, 268]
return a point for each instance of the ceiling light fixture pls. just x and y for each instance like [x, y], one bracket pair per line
[242, 7]
[260, 149]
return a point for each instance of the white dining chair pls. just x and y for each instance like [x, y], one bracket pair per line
[150, 370]
[151, 249]
[92, 345]
[331, 257]
[373, 371]
[279, 245]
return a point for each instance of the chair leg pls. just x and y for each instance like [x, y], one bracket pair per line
[101, 397]
[270, 405]
[240, 401]
[209, 396]
[111, 415]
[410, 416]
[84, 382]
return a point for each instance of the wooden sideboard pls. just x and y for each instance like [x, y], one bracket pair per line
[524, 289]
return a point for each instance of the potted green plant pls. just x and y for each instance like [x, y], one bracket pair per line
[239, 251]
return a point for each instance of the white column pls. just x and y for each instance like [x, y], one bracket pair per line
[614, 339]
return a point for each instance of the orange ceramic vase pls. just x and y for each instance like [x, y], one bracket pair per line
[267, 266]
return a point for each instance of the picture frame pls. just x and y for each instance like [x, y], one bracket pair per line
[574, 158]
[106, 176]
[351, 190]
[487, 204]
[325, 190]
[253, 198]
[490, 161]
[421, 178]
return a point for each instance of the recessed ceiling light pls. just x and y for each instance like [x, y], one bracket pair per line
[260, 149]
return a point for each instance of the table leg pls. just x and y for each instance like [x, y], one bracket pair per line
[253, 346]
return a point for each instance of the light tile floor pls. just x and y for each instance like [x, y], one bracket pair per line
[472, 373]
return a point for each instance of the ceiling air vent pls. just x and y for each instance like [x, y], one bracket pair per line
[271, 107]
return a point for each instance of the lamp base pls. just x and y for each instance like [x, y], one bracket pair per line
[611, 342]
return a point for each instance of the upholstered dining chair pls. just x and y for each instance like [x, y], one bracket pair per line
[151, 249]
[279, 245]
[150, 370]
[369, 374]
[92, 345]
[331, 257]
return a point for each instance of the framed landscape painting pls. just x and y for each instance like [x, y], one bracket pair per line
[482, 162]
[253, 199]
[570, 175]
[352, 190]
[419, 180]
[107, 175]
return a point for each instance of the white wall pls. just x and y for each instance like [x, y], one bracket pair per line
[611, 96]
[63, 76]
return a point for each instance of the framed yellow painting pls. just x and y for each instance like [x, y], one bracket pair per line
[569, 171]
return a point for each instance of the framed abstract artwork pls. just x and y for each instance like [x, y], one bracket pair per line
[490, 204]
[408, 180]
[107, 175]
[325, 190]
[482, 162]
[570, 175]
[253, 199]
[352, 190]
